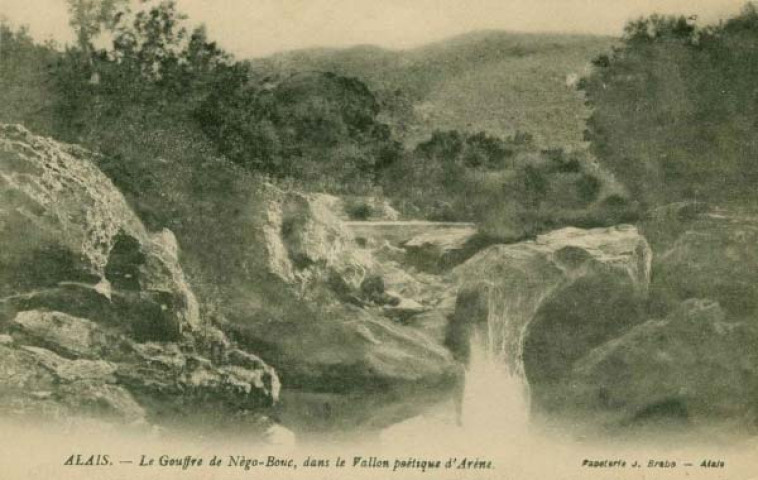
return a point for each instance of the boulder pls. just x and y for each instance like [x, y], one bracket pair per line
[543, 304]
[175, 382]
[303, 237]
[691, 367]
[79, 229]
[442, 248]
[342, 366]
[168, 381]
[289, 289]
[372, 286]
[435, 321]
[96, 314]
[704, 253]
[38, 383]
[65, 334]
[404, 309]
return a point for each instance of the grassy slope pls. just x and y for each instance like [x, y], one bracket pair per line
[490, 80]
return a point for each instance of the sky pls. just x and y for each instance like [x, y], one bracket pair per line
[253, 28]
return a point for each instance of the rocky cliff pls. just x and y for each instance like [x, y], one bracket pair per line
[695, 366]
[607, 331]
[96, 316]
[543, 304]
[299, 291]
[693, 361]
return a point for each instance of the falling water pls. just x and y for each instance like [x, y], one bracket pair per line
[494, 398]
[492, 407]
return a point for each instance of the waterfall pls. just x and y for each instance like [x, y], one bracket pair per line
[491, 407]
[492, 403]
[494, 399]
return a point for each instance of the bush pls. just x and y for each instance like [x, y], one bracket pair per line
[358, 210]
[588, 188]
[675, 111]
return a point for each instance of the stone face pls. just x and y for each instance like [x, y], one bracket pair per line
[160, 378]
[692, 366]
[292, 293]
[39, 383]
[97, 318]
[63, 221]
[441, 249]
[705, 254]
[68, 335]
[544, 304]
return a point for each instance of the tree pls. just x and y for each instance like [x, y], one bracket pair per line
[675, 109]
[306, 125]
[88, 18]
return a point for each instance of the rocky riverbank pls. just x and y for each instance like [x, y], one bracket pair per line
[292, 314]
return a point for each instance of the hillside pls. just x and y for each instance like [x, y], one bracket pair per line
[490, 80]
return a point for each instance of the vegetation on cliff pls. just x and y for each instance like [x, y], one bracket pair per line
[674, 109]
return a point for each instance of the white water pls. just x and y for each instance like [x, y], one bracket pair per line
[494, 400]
[494, 408]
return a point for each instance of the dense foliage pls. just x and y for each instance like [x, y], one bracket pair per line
[510, 187]
[25, 94]
[676, 109]
[183, 127]
[316, 126]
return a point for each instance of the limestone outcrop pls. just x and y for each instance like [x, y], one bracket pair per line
[286, 284]
[693, 366]
[704, 253]
[544, 304]
[96, 314]
[442, 249]
[62, 222]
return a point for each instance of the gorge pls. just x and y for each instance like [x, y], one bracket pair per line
[327, 326]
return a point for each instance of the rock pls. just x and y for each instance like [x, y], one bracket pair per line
[404, 309]
[386, 252]
[544, 304]
[288, 287]
[103, 320]
[441, 249]
[67, 335]
[372, 289]
[372, 286]
[360, 362]
[262, 376]
[183, 388]
[38, 383]
[434, 322]
[79, 229]
[704, 254]
[693, 366]
[303, 237]
[372, 351]
[156, 374]
[72, 370]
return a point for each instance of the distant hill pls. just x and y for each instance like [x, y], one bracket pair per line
[488, 80]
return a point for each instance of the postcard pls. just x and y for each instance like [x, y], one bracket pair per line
[347, 239]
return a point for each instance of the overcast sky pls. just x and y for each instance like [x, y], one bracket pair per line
[260, 27]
